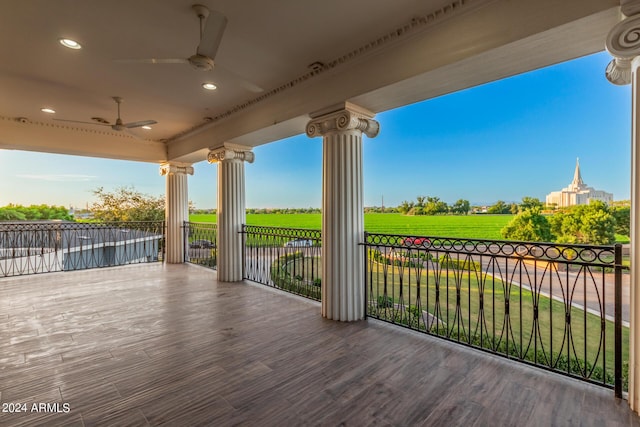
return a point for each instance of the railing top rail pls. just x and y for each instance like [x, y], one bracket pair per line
[260, 228]
[572, 253]
[207, 224]
[55, 225]
[282, 231]
[497, 241]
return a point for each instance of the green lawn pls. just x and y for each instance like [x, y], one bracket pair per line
[469, 226]
[462, 226]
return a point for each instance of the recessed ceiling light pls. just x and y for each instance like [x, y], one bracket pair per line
[71, 44]
[209, 86]
[146, 127]
[48, 110]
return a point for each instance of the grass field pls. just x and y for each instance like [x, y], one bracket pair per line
[462, 226]
[470, 226]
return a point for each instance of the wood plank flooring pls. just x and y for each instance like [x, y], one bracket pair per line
[169, 345]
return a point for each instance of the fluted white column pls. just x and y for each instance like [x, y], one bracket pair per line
[176, 209]
[231, 212]
[342, 207]
[623, 43]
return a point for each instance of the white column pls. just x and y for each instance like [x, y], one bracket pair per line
[623, 43]
[231, 212]
[176, 209]
[342, 127]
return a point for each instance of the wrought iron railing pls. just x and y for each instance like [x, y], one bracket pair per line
[285, 258]
[558, 307]
[554, 306]
[48, 246]
[200, 240]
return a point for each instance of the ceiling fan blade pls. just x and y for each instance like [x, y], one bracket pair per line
[139, 124]
[212, 34]
[153, 61]
[241, 81]
[85, 123]
[250, 86]
[128, 132]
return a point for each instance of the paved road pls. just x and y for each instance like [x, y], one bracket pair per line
[595, 291]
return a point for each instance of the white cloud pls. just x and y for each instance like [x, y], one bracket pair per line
[60, 177]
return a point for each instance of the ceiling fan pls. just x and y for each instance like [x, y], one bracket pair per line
[212, 26]
[119, 125]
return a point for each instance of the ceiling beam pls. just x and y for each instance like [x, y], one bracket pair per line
[22, 134]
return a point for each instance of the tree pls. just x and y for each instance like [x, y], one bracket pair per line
[598, 226]
[416, 210]
[435, 206]
[126, 204]
[10, 214]
[405, 207]
[530, 203]
[499, 208]
[530, 226]
[34, 213]
[593, 224]
[460, 207]
[622, 214]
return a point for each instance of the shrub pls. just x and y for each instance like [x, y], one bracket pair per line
[207, 262]
[282, 279]
[427, 256]
[402, 261]
[530, 226]
[385, 301]
[446, 261]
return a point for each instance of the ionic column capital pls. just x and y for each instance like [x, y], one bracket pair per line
[231, 152]
[629, 7]
[623, 43]
[342, 117]
[172, 169]
[618, 71]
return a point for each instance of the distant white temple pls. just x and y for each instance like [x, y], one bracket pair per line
[577, 193]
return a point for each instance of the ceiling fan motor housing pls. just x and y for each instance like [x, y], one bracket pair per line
[200, 62]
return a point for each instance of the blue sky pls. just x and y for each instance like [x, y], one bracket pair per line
[500, 141]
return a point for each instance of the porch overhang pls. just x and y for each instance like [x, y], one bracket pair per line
[420, 52]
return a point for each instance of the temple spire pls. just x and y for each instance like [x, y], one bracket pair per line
[577, 177]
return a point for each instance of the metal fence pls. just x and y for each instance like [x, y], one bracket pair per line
[41, 247]
[201, 243]
[554, 306]
[285, 258]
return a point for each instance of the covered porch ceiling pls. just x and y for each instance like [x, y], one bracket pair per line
[276, 63]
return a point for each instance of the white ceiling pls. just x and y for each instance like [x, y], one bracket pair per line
[379, 54]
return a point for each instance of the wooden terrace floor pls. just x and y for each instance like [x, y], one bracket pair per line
[169, 345]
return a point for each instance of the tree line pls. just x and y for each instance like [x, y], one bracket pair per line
[13, 212]
[123, 204]
[427, 205]
[595, 223]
